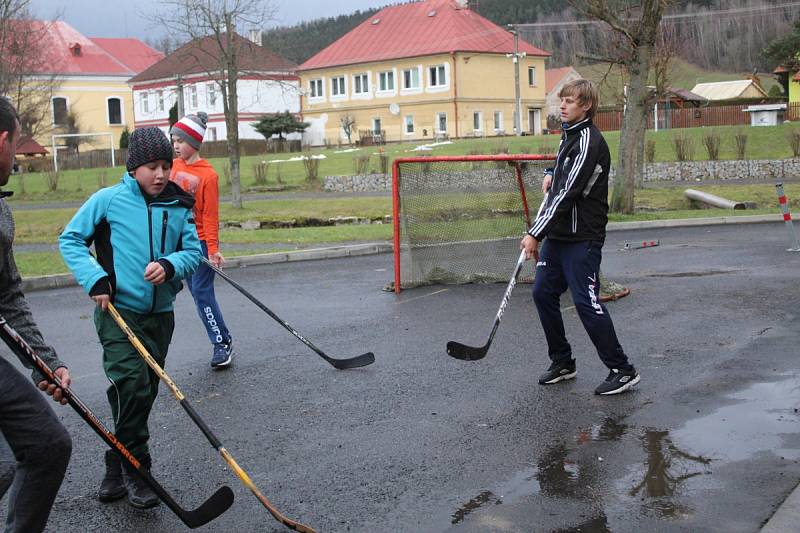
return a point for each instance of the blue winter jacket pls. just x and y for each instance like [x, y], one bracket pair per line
[130, 230]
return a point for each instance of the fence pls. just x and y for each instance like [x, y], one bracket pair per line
[691, 117]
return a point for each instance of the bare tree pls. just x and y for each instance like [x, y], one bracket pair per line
[25, 76]
[217, 21]
[635, 32]
[348, 121]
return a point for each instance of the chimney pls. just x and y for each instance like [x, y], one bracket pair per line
[255, 36]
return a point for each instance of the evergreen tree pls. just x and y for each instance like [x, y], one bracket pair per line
[279, 124]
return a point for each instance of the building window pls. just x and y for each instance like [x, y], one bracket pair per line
[437, 76]
[441, 122]
[316, 88]
[498, 120]
[144, 101]
[386, 81]
[532, 76]
[114, 111]
[477, 121]
[160, 100]
[211, 94]
[360, 84]
[191, 96]
[337, 86]
[376, 126]
[411, 78]
[60, 111]
[409, 124]
[212, 134]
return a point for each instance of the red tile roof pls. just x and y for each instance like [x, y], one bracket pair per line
[29, 146]
[200, 56]
[133, 53]
[418, 29]
[554, 75]
[115, 57]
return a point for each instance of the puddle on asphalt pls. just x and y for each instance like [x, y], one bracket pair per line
[762, 415]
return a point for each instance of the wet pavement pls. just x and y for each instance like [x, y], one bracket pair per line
[709, 440]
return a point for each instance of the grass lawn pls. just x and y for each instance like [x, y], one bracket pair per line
[42, 226]
[762, 143]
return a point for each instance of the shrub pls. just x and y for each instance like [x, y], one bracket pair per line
[21, 184]
[383, 161]
[740, 140]
[260, 172]
[650, 150]
[683, 147]
[312, 167]
[361, 164]
[793, 136]
[711, 141]
[226, 171]
[52, 177]
[102, 179]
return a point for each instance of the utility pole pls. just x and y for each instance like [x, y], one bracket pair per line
[516, 56]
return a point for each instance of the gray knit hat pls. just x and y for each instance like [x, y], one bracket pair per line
[146, 145]
[191, 128]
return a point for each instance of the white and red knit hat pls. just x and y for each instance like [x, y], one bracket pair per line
[191, 128]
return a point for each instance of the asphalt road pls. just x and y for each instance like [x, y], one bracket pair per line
[421, 442]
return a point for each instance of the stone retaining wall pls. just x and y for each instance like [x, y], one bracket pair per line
[767, 169]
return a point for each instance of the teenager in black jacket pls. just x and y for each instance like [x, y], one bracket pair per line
[573, 217]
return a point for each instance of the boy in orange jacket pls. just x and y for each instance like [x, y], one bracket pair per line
[196, 176]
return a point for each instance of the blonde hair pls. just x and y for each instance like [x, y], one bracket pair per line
[585, 91]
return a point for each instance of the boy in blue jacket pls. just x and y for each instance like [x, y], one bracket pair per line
[145, 243]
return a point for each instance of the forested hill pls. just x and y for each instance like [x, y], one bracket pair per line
[713, 34]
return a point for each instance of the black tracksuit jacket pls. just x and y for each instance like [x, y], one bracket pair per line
[576, 206]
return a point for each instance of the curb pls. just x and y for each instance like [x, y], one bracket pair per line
[786, 516]
[57, 281]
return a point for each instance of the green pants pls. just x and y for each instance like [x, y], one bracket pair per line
[134, 385]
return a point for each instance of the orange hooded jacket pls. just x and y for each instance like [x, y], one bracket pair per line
[201, 181]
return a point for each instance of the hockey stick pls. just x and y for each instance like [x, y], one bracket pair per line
[215, 442]
[218, 503]
[473, 353]
[354, 362]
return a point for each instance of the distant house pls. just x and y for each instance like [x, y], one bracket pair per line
[89, 78]
[555, 79]
[422, 71]
[729, 90]
[28, 147]
[267, 84]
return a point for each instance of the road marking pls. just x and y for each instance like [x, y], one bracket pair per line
[423, 296]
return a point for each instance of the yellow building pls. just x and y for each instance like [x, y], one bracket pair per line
[89, 80]
[422, 71]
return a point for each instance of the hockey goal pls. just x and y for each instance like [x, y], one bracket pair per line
[459, 219]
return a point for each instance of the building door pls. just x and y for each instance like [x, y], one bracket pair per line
[535, 121]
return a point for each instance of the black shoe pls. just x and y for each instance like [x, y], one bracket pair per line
[558, 371]
[223, 353]
[140, 495]
[618, 381]
[112, 487]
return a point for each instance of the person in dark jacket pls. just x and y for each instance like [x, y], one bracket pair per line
[34, 445]
[573, 216]
[145, 243]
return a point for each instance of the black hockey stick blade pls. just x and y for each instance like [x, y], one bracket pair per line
[340, 364]
[354, 362]
[466, 353]
[218, 503]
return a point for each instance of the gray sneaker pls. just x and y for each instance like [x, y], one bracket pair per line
[558, 371]
[223, 354]
[618, 381]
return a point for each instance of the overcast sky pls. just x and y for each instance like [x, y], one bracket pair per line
[115, 18]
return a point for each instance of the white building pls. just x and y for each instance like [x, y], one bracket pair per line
[267, 84]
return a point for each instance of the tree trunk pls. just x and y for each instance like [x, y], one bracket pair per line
[232, 116]
[630, 159]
